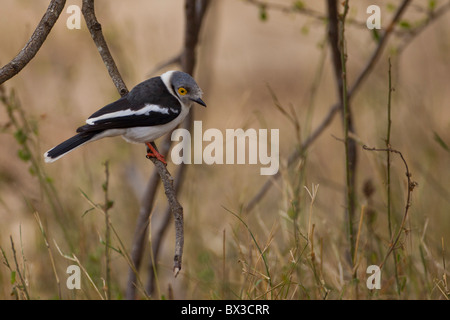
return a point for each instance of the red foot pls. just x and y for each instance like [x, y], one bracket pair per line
[155, 154]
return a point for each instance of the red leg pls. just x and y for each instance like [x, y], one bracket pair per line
[153, 153]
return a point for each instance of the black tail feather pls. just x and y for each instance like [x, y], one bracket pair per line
[68, 145]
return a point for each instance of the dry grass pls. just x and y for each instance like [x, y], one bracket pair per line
[288, 247]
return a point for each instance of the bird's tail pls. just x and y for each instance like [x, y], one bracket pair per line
[68, 145]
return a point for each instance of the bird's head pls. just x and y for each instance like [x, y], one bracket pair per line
[185, 87]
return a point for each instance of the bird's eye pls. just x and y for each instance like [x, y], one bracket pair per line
[182, 91]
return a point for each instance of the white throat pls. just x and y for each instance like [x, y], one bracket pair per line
[165, 77]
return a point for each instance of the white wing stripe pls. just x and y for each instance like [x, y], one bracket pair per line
[128, 112]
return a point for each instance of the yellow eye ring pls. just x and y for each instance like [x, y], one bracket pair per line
[182, 91]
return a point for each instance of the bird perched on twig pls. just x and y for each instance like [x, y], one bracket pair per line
[150, 110]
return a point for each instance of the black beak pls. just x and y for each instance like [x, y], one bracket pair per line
[199, 101]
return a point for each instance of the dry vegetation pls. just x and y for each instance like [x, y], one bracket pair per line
[252, 62]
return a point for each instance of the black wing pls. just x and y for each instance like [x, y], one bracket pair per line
[148, 104]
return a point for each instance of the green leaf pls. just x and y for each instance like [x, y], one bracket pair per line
[20, 136]
[432, 5]
[13, 277]
[441, 142]
[262, 13]
[24, 155]
[293, 210]
[405, 24]
[109, 204]
[32, 171]
[391, 7]
[376, 35]
[299, 5]
[305, 30]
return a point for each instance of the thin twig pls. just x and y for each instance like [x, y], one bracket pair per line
[24, 286]
[95, 28]
[35, 42]
[381, 45]
[47, 245]
[106, 206]
[411, 185]
[75, 259]
[431, 17]
[123, 251]
[388, 170]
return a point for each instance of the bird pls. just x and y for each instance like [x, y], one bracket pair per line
[150, 110]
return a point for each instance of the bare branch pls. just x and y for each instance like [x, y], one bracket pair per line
[141, 230]
[95, 28]
[177, 211]
[158, 235]
[381, 44]
[35, 42]
[411, 185]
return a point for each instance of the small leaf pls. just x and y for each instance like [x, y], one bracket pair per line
[441, 142]
[24, 155]
[13, 277]
[293, 210]
[405, 24]
[305, 30]
[391, 7]
[376, 35]
[431, 4]
[262, 12]
[32, 171]
[299, 5]
[109, 204]
[20, 136]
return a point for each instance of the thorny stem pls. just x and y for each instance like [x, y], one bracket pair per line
[411, 185]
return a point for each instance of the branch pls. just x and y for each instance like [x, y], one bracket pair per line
[157, 236]
[411, 185]
[194, 14]
[95, 28]
[141, 230]
[431, 17]
[177, 211]
[34, 43]
[381, 44]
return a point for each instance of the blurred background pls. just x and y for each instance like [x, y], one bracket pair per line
[250, 58]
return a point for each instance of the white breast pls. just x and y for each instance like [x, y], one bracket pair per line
[149, 134]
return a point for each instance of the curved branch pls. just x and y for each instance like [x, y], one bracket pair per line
[95, 28]
[35, 42]
[194, 13]
[411, 185]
